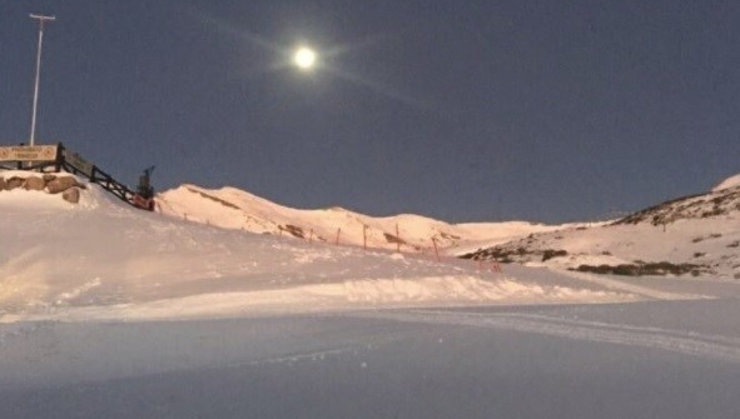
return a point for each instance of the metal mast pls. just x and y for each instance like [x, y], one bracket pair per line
[42, 19]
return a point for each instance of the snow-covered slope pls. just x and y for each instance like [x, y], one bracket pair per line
[100, 259]
[237, 209]
[696, 235]
[730, 182]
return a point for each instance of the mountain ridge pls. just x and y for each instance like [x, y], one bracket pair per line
[232, 208]
[697, 235]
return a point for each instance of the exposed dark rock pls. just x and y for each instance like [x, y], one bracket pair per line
[61, 184]
[71, 195]
[514, 254]
[213, 198]
[550, 253]
[13, 183]
[294, 230]
[390, 238]
[642, 269]
[449, 236]
[34, 183]
[707, 205]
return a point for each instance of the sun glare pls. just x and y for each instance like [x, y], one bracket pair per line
[304, 58]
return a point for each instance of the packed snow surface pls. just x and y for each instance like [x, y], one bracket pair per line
[675, 359]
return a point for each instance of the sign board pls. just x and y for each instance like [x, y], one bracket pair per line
[28, 153]
[76, 161]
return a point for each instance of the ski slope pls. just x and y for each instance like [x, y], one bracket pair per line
[101, 259]
[109, 311]
[678, 359]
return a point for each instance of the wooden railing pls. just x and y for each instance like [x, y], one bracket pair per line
[58, 157]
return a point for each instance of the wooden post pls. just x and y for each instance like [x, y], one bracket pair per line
[364, 236]
[398, 241]
[339, 231]
[436, 251]
[58, 158]
[310, 235]
[20, 163]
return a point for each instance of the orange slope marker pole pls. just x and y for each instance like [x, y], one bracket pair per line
[398, 241]
[436, 251]
[364, 236]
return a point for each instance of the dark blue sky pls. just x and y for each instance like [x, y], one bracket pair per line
[462, 110]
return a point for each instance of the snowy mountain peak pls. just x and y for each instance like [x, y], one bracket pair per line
[730, 182]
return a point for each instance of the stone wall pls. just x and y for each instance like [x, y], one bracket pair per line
[66, 185]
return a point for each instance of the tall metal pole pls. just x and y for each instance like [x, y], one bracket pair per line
[42, 19]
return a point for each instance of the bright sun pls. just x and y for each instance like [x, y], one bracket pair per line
[304, 58]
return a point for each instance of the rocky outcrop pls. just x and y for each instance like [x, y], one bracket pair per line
[34, 184]
[293, 230]
[51, 183]
[213, 198]
[716, 203]
[71, 195]
[13, 183]
[61, 184]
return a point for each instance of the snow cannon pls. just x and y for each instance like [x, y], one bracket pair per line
[144, 197]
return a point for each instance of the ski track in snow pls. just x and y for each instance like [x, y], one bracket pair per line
[630, 288]
[715, 347]
[321, 354]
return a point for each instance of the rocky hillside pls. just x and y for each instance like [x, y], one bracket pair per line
[697, 235]
[715, 203]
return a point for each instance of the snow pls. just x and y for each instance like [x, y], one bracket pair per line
[108, 311]
[492, 234]
[709, 242]
[730, 182]
[233, 208]
[655, 359]
[104, 260]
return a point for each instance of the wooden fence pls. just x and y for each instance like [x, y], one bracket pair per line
[57, 157]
